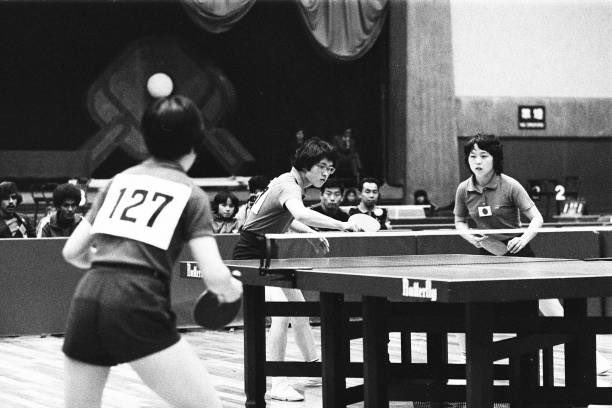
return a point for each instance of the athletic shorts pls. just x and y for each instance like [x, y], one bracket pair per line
[119, 314]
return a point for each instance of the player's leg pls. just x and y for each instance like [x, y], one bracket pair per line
[177, 375]
[304, 337]
[277, 347]
[83, 384]
[279, 327]
[302, 331]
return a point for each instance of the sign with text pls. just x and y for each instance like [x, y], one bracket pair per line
[531, 117]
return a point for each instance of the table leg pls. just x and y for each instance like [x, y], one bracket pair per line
[580, 368]
[375, 353]
[254, 346]
[479, 366]
[524, 369]
[334, 349]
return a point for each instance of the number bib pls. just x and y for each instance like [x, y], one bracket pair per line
[142, 208]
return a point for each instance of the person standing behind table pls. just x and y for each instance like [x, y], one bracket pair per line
[63, 222]
[129, 241]
[257, 184]
[279, 207]
[225, 207]
[368, 203]
[12, 223]
[331, 196]
[494, 200]
[349, 162]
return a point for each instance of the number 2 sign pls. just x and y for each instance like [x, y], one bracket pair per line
[143, 208]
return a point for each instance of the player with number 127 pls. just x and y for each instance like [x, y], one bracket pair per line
[129, 242]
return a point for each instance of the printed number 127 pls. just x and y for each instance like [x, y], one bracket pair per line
[143, 196]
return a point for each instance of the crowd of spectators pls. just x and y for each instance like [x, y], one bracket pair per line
[229, 212]
[346, 189]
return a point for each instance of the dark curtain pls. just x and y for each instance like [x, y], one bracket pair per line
[346, 29]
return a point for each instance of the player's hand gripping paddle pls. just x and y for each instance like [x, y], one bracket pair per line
[210, 313]
[494, 246]
[364, 222]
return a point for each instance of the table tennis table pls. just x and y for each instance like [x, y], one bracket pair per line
[436, 294]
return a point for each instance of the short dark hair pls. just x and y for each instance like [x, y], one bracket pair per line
[9, 188]
[172, 126]
[312, 152]
[420, 193]
[258, 182]
[221, 198]
[368, 180]
[489, 143]
[332, 183]
[64, 192]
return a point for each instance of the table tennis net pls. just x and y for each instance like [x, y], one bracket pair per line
[404, 260]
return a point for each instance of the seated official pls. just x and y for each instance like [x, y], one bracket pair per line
[369, 203]
[66, 199]
[12, 223]
[331, 197]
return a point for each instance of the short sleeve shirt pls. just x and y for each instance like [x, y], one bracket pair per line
[194, 221]
[504, 195]
[268, 215]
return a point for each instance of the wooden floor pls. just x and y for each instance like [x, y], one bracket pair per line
[31, 371]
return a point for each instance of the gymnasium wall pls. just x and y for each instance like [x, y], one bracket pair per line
[472, 76]
[555, 54]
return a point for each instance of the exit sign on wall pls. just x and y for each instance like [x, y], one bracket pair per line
[531, 117]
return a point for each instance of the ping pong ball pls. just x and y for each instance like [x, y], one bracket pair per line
[159, 85]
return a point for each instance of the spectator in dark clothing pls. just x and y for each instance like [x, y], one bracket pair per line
[348, 164]
[368, 205]
[12, 223]
[331, 196]
[66, 199]
[421, 198]
[351, 197]
[257, 185]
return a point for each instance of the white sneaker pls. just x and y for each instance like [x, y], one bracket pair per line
[282, 391]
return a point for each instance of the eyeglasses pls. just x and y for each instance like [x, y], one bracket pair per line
[329, 169]
[14, 197]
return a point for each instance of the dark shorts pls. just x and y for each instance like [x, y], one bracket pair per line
[250, 246]
[119, 314]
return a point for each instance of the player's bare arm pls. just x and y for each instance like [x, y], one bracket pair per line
[461, 225]
[77, 249]
[535, 223]
[215, 274]
[314, 219]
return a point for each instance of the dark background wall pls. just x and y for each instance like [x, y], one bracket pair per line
[53, 51]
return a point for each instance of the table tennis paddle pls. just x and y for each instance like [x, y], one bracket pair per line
[212, 314]
[494, 246]
[365, 222]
